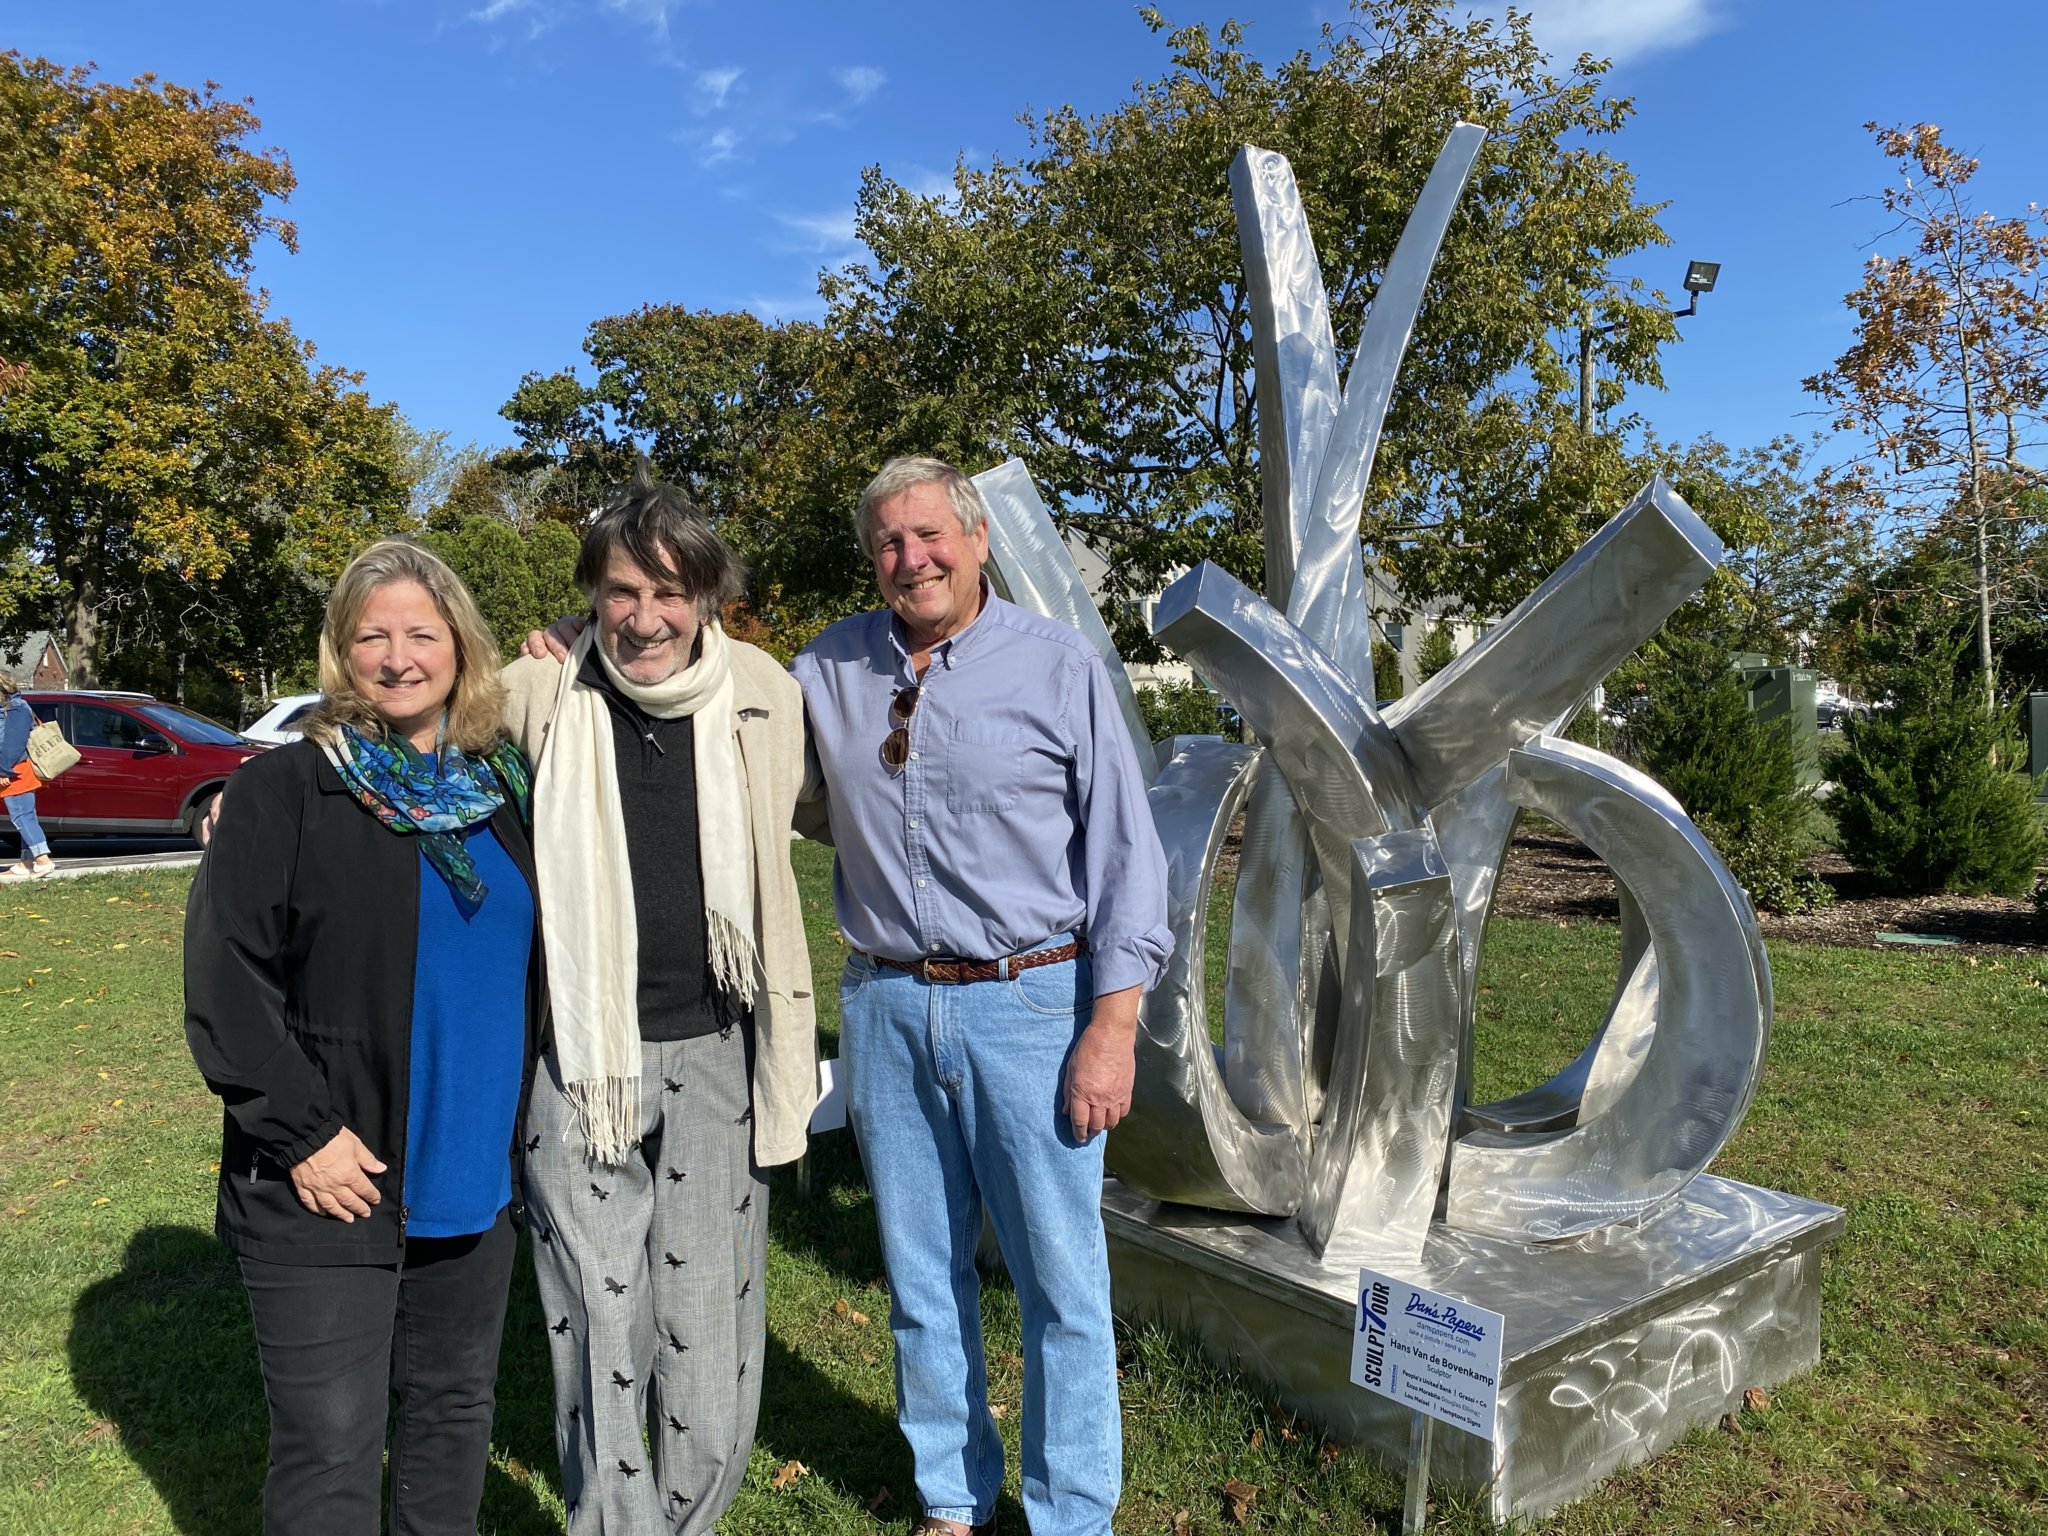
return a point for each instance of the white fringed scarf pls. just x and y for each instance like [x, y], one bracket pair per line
[584, 865]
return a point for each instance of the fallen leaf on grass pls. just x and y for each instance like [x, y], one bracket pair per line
[1258, 1438]
[1238, 1498]
[10, 954]
[881, 1497]
[787, 1473]
[1181, 1523]
[1330, 1453]
[1731, 1423]
[103, 1200]
[999, 1410]
[1756, 1400]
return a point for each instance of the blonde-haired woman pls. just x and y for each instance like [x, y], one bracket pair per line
[360, 990]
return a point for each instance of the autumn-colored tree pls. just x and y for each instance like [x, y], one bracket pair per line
[162, 433]
[1947, 381]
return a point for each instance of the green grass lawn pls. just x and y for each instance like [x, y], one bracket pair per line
[1909, 1088]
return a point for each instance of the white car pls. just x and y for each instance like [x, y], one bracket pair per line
[284, 721]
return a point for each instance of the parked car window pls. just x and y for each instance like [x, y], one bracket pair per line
[182, 722]
[94, 725]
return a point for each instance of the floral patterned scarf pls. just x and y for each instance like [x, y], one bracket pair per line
[433, 798]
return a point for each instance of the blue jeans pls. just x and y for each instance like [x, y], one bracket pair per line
[21, 810]
[954, 1092]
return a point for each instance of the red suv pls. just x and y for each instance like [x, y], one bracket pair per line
[144, 767]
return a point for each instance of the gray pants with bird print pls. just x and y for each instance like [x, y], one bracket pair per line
[651, 1278]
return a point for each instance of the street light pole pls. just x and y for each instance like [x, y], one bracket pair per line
[1700, 277]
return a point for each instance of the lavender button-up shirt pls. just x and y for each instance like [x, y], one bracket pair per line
[1020, 815]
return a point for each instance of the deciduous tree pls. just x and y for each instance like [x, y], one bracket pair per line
[1083, 307]
[1948, 377]
[160, 430]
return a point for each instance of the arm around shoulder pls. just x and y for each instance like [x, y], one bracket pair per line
[530, 689]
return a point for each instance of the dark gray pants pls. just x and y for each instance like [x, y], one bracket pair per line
[651, 1278]
[339, 1343]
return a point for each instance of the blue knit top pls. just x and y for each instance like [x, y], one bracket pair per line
[468, 1046]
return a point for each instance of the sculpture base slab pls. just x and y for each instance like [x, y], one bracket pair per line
[1614, 1345]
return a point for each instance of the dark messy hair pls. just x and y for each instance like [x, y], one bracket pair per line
[656, 526]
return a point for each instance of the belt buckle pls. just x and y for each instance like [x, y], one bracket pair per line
[924, 969]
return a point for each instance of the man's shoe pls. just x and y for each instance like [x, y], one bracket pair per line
[940, 1527]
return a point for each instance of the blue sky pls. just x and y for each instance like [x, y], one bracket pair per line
[480, 179]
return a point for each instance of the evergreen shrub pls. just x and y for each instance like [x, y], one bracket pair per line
[1694, 732]
[1438, 651]
[1386, 671]
[1933, 791]
[1181, 709]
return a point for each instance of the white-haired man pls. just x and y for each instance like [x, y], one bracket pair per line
[1002, 890]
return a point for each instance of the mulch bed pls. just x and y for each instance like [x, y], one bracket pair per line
[1548, 875]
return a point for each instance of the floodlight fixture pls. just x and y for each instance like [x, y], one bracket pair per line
[1700, 277]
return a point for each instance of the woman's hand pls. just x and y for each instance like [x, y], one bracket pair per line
[335, 1181]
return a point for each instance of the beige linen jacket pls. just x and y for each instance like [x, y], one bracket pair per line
[771, 738]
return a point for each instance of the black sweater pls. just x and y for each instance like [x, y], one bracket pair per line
[657, 765]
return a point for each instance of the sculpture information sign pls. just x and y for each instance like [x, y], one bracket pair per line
[1429, 1352]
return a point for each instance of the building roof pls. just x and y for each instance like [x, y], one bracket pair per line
[20, 657]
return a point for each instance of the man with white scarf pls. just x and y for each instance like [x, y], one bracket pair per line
[682, 1061]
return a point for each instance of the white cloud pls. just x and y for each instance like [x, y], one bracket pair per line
[1617, 29]
[819, 232]
[772, 309]
[713, 86]
[861, 81]
[923, 181]
[718, 148]
[536, 16]
[651, 14]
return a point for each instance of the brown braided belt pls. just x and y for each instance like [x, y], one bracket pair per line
[953, 971]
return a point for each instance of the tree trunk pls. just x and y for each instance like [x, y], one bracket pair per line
[1586, 379]
[1978, 517]
[1984, 612]
[82, 644]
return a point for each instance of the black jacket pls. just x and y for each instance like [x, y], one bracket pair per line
[300, 940]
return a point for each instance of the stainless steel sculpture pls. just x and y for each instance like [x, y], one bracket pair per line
[1335, 1116]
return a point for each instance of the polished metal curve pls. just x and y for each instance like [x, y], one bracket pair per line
[1029, 565]
[1182, 1132]
[1689, 1090]
[1372, 840]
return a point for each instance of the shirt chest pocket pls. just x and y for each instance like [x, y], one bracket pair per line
[984, 767]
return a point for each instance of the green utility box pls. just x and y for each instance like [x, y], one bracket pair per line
[1786, 694]
[2036, 722]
